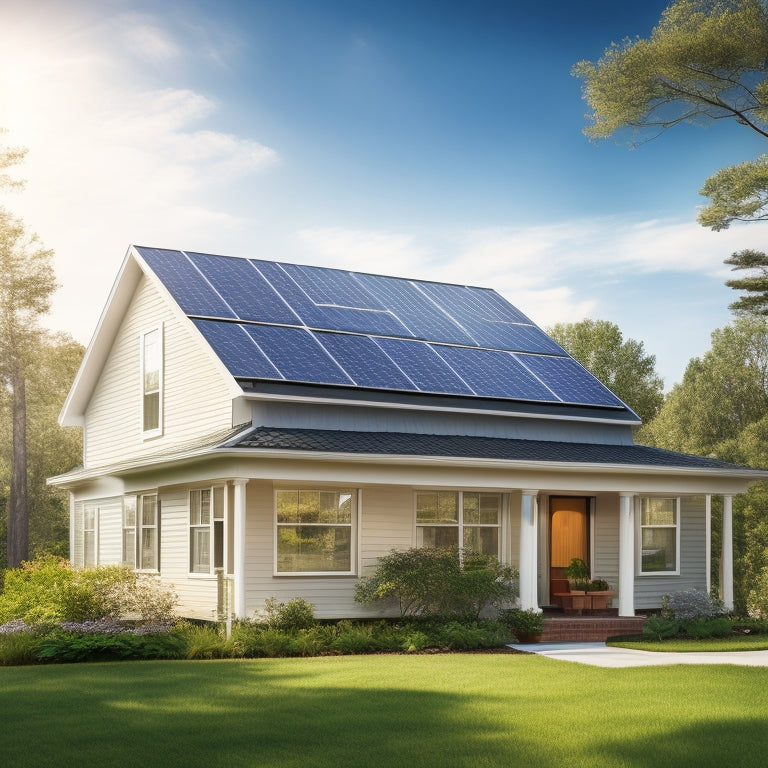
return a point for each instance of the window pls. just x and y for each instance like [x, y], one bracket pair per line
[90, 535]
[148, 533]
[129, 531]
[151, 381]
[463, 519]
[315, 531]
[659, 536]
[206, 530]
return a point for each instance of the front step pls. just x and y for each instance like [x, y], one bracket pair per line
[589, 628]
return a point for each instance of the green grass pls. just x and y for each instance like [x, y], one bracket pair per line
[428, 711]
[687, 645]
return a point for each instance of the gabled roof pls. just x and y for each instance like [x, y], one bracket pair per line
[284, 323]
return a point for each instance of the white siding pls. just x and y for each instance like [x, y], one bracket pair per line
[195, 399]
[110, 532]
[605, 541]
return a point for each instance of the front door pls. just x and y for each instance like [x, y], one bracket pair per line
[569, 538]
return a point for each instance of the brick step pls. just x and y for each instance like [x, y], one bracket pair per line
[589, 628]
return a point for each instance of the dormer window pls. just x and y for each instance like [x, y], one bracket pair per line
[152, 381]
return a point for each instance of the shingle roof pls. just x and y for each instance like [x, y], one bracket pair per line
[407, 444]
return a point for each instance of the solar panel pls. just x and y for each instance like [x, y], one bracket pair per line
[364, 361]
[569, 380]
[494, 374]
[191, 291]
[333, 327]
[297, 354]
[239, 283]
[423, 366]
[237, 350]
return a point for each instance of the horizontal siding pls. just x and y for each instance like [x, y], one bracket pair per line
[195, 399]
[649, 589]
[605, 541]
[111, 533]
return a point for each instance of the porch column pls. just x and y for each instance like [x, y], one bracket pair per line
[726, 559]
[626, 554]
[239, 547]
[529, 575]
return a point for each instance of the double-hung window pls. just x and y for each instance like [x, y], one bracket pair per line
[206, 529]
[659, 536]
[315, 531]
[466, 519]
[90, 535]
[129, 531]
[152, 382]
[148, 550]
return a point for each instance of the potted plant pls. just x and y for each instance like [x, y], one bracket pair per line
[526, 625]
[577, 573]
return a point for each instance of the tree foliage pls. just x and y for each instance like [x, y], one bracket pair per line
[706, 60]
[623, 366]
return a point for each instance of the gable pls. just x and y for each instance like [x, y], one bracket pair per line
[277, 323]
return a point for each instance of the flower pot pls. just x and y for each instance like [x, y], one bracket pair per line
[527, 637]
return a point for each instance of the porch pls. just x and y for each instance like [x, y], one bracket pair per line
[559, 628]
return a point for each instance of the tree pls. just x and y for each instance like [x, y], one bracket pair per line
[706, 60]
[25, 291]
[621, 365]
[755, 300]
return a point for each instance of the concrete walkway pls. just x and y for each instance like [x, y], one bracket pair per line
[601, 655]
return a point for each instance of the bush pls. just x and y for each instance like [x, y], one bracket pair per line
[49, 590]
[700, 629]
[522, 622]
[660, 627]
[691, 604]
[757, 601]
[62, 646]
[296, 614]
[444, 582]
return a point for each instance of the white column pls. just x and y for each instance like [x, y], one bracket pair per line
[708, 541]
[726, 558]
[626, 554]
[239, 548]
[529, 552]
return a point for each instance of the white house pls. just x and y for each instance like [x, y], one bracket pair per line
[284, 426]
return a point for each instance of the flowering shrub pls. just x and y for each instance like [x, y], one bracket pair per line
[14, 627]
[692, 604]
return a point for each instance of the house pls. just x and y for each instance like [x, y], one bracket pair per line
[278, 427]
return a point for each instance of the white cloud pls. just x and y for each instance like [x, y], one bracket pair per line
[143, 38]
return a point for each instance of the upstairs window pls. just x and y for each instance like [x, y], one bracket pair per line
[659, 536]
[151, 382]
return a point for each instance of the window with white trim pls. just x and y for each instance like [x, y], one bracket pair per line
[90, 535]
[129, 531]
[152, 382]
[148, 533]
[659, 539]
[206, 529]
[315, 531]
[467, 519]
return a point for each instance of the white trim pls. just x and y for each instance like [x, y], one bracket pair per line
[708, 540]
[627, 515]
[529, 576]
[238, 567]
[726, 559]
[639, 537]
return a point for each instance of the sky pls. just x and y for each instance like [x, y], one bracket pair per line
[428, 139]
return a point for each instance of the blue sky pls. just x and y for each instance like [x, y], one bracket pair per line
[426, 139]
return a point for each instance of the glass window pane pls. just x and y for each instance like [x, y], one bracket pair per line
[129, 547]
[201, 550]
[437, 507]
[314, 548]
[659, 512]
[482, 540]
[148, 550]
[152, 411]
[205, 507]
[287, 506]
[148, 510]
[481, 508]
[309, 506]
[437, 536]
[659, 551]
[129, 511]
[218, 503]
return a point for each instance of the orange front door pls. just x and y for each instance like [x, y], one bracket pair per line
[569, 537]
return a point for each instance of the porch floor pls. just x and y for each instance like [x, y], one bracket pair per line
[560, 628]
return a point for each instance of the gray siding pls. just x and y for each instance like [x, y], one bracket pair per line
[649, 589]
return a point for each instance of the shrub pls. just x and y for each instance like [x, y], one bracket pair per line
[49, 590]
[660, 627]
[439, 582]
[294, 615]
[522, 622]
[700, 629]
[62, 646]
[757, 601]
[692, 604]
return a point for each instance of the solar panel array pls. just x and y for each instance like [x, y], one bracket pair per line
[284, 322]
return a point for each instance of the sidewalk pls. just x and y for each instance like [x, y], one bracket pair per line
[601, 655]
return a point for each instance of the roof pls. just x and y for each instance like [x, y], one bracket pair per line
[469, 447]
[285, 323]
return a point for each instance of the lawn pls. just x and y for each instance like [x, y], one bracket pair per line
[422, 711]
[689, 645]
